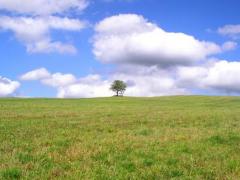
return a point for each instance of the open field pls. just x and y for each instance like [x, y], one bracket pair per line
[193, 137]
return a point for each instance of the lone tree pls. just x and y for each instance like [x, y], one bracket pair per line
[119, 87]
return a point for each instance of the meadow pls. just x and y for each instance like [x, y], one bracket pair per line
[179, 137]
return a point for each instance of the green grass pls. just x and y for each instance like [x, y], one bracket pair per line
[182, 137]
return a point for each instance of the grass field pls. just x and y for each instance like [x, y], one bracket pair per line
[183, 137]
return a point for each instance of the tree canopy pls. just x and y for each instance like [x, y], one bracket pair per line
[118, 87]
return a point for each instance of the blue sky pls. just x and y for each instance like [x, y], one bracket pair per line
[73, 67]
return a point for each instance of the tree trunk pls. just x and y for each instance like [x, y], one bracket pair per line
[117, 93]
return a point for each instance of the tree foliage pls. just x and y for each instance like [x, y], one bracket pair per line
[118, 87]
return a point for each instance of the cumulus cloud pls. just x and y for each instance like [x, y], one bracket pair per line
[42, 7]
[34, 32]
[37, 74]
[7, 86]
[90, 86]
[130, 38]
[54, 80]
[59, 80]
[32, 22]
[224, 76]
[150, 84]
[68, 86]
[219, 76]
[191, 77]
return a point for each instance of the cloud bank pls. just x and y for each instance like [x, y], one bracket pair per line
[221, 76]
[152, 61]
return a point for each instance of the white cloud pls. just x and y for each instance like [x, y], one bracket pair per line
[68, 86]
[54, 80]
[150, 82]
[42, 7]
[46, 46]
[35, 32]
[7, 86]
[222, 76]
[229, 45]
[59, 80]
[131, 39]
[191, 77]
[89, 86]
[138, 85]
[214, 76]
[230, 30]
[37, 74]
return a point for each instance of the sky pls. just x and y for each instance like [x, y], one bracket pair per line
[77, 48]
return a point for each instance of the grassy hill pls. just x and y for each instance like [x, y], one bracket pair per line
[182, 137]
